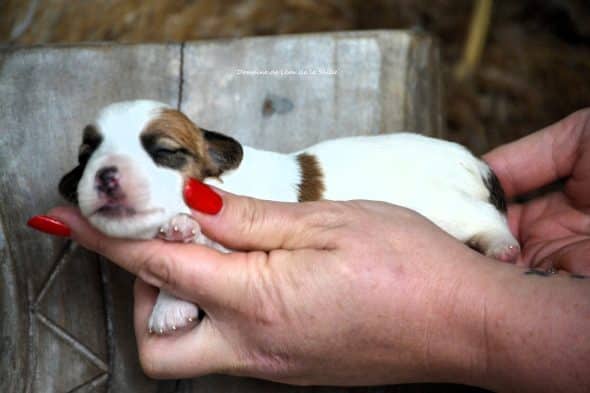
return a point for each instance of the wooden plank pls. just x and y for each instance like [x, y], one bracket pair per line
[13, 317]
[313, 87]
[422, 101]
[47, 95]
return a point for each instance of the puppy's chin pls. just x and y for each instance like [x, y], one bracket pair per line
[131, 226]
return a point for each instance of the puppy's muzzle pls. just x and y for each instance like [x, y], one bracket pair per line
[107, 183]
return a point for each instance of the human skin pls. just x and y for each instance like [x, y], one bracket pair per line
[554, 228]
[361, 293]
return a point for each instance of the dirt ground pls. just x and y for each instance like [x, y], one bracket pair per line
[535, 68]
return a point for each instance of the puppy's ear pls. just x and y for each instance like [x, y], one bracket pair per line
[68, 185]
[224, 152]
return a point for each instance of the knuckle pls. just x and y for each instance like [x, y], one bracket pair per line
[327, 214]
[579, 122]
[157, 267]
[251, 216]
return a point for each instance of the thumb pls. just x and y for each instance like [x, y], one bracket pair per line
[573, 258]
[245, 223]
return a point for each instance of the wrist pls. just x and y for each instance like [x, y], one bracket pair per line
[458, 347]
[444, 329]
[530, 329]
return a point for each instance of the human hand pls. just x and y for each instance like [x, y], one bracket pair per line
[553, 229]
[368, 293]
[350, 293]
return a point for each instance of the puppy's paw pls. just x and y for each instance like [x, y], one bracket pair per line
[181, 228]
[171, 314]
[507, 252]
[500, 246]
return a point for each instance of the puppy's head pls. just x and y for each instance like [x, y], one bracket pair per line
[133, 162]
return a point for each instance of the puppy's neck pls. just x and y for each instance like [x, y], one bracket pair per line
[265, 175]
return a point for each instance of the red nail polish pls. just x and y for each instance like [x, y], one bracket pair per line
[49, 225]
[202, 198]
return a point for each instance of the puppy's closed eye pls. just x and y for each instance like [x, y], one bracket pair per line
[175, 159]
[174, 141]
[166, 152]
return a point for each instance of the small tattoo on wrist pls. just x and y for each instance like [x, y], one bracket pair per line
[537, 272]
[548, 273]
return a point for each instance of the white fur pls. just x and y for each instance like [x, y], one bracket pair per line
[263, 175]
[439, 179]
[120, 125]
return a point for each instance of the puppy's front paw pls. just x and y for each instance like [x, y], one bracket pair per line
[170, 314]
[181, 228]
[507, 252]
[498, 245]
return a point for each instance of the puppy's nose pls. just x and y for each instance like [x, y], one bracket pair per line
[107, 180]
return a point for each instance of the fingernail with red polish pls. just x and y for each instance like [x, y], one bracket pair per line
[49, 225]
[202, 198]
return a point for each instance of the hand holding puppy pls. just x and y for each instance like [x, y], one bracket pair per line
[135, 157]
[330, 291]
[553, 228]
[348, 293]
[355, 293]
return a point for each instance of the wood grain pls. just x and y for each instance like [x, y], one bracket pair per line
[327, 85]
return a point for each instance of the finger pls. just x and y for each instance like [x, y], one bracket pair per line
[201, 350]
[253, 224]
[574, 258]
[144, 297]
[190, 271]
[514, 216]
[544, 157]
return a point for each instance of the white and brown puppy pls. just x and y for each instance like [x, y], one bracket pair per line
[136, 156]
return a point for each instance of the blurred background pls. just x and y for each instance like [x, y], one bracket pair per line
[533, 70]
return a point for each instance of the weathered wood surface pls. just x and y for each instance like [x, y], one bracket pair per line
[66, 322]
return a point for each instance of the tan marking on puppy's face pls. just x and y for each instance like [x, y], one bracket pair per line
[174, 141]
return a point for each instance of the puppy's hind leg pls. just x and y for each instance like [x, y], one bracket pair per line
[494, 238]
[171, 313]
[495, 245]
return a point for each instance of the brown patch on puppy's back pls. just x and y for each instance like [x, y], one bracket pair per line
[311, 187]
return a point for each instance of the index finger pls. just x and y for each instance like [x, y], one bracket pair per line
[246, 223]
[191, 271]
[543, 157]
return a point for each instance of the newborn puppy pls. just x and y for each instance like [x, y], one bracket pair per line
[136, 156]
